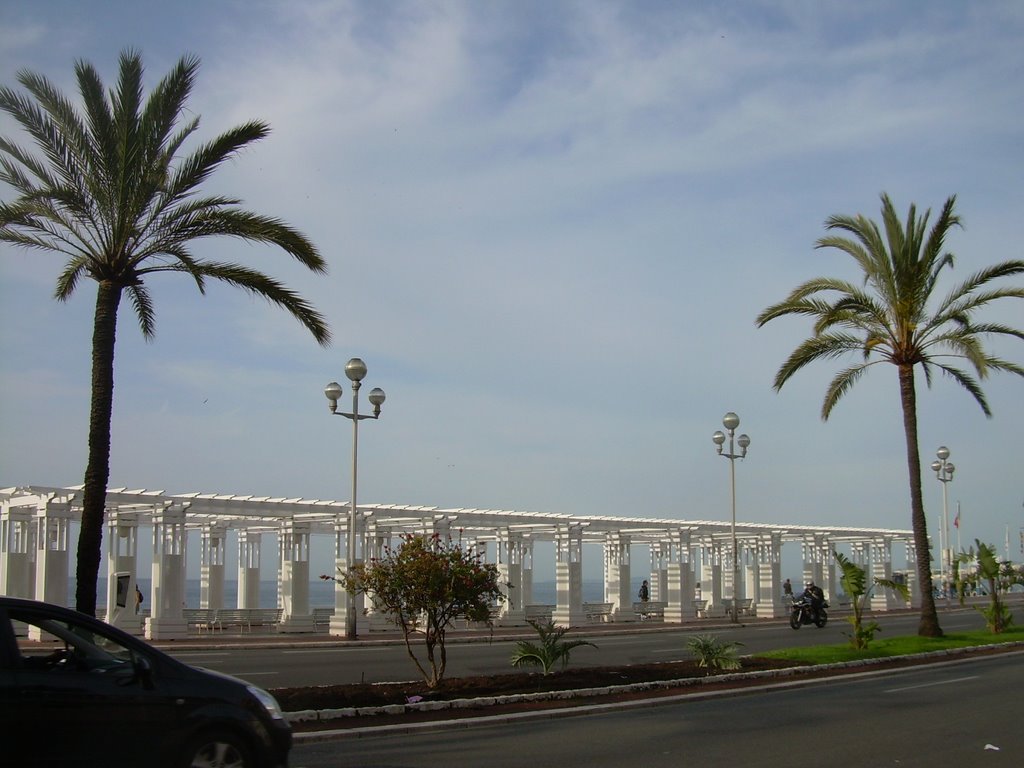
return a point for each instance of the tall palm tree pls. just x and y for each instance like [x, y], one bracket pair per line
[895, 317]
[112, 194]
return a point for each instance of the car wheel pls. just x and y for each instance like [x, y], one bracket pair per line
[217, 749]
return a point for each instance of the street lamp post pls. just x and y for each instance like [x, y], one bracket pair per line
[355, 370]
[944, 469]
[730, 421]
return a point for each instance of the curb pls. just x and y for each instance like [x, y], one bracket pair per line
[783, 676]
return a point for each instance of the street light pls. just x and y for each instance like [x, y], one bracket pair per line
[944, 472]
[355, 370]
[730, 421]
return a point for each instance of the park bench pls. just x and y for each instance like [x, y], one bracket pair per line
[265, 617]
[539, 614]
[645, 610]
[597, 611]
[200, 618]
[322, 618]
[700, 608]
[247, 618]
[232, 617]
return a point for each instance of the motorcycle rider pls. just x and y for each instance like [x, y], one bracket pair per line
[814, 595]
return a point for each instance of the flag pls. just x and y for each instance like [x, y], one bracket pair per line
[956, 520]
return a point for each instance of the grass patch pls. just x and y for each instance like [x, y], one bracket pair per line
[895, 646]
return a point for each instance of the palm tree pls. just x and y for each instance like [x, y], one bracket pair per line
[896, 318]
[111, 193]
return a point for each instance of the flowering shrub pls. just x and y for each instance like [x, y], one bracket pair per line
[425, 584]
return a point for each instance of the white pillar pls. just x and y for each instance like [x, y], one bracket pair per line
[714, 575]
[680, 579]
[52, 524]
[510, 576]
[293, 566]
[881, 568]
[370, 618]
[815, 552]
[569, 576]
[913, 582]
[249, 544]
[769, 596]
[166, 620]
[17, 550]
[526, 571]
[122, 553]
[660, 555]
[213, 541]
[617, 587]
[341, 566]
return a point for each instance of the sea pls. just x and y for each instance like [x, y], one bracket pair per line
[321, 593]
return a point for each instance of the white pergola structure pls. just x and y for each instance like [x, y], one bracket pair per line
[687, 557]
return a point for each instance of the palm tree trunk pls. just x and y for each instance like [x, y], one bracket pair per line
[929, 622]
[97, 472]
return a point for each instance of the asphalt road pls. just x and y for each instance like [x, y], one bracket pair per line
[954, 714]
[300, 665]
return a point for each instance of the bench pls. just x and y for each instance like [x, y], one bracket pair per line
[700, 608]
[539, 614]
[200, 618]
[247, 618]
[265, 617]
[322, 618]
[597, 611]
[232, 617]
[645, 609]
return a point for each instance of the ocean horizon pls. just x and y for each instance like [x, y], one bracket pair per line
[321, 593]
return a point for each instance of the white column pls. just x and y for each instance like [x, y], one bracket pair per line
[769, 595]
[526, 571]
[17, 550]
[814, 557]
[213, 540]
[166, 620]
[881, 568]
[249, 545]
[680, 579]
[660, 554]
[569, 577]
[510, 575]
[341, 566]
[122, 553]
[371, 618]
[714, 575]
[294, 578]
[913, 582]
[617, 588]
[52, 524]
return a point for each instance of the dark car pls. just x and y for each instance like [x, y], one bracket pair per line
[76, 691]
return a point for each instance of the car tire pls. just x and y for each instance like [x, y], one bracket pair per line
[219, 749]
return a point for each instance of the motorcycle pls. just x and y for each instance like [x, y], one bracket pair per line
[802, 613]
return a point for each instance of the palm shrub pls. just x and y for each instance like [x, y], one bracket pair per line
[549, 649]
[854, 583]
[997, 614]
[712, 653]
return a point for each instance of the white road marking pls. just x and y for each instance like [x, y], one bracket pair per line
[932, 685]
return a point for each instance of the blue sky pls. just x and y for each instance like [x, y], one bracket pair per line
[550, 226]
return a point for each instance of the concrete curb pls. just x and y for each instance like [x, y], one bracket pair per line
[783, 676]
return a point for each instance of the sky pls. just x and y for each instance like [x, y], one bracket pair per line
[550, 227]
